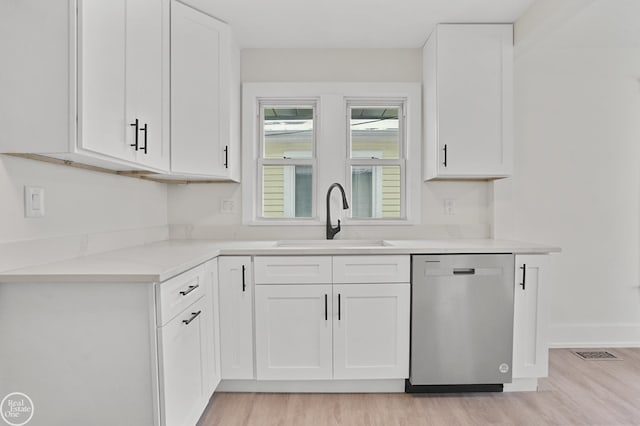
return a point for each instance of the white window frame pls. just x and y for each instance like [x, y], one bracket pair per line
[400, 161]
[332, 162]
[262, 161]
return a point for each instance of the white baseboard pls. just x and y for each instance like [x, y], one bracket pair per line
[522, 385]
[621, 335]
[313, 386]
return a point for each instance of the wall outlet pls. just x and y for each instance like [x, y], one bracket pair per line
[33, 201]
[449, 206]
[227, 206]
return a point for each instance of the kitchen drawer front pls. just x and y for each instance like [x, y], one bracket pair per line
[371, 269]
[179, 292]
[292, 269]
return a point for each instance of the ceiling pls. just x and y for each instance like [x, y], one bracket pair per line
[350, 23]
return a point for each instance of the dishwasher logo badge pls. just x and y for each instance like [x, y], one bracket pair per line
[504, 368]
[17, 409]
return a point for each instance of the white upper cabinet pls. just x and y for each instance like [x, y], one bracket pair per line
[95, 69]
[204, 116]
[102, 78]
[120, 80]
[468, 105]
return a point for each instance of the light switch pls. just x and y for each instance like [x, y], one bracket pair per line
[33, 201]
[227, 206]
[449, 206]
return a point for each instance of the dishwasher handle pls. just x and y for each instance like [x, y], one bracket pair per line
[464, 271]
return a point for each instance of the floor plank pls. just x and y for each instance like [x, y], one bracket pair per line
[577, 392]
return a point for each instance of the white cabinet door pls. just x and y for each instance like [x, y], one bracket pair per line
[182, 361]
[236, 317]
[200, 84]
[215, 375]
[121, 80]
[102, 76]
[293, 332]
[468, 101]
[371, 331]
[530, 347]
[145, 63]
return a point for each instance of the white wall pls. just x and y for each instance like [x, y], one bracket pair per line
[194, 210]
[85, 211]
[577, 184]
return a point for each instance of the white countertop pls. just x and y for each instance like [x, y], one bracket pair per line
[160, 261]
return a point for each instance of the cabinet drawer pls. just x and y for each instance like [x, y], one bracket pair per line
[292, 269]
[179, 292]
[371, 269]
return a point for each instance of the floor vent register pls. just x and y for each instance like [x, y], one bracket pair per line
[597, 356]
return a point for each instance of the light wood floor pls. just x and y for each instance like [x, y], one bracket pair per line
[577, 392]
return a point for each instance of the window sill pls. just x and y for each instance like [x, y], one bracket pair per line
[344, 222]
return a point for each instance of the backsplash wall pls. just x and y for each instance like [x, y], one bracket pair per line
[194, 210]
[85, 212]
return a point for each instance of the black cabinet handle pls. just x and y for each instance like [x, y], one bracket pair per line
[445, 155]
[226, 157]
[524, 275]
[136, 125]
[194, 316]
[190, 289]
[338, 306]
[244, 282]
[464, 271]
[144, 129]
[326, 309]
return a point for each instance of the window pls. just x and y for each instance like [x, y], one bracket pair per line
[300, 138]
[287, 160]
[376, 160]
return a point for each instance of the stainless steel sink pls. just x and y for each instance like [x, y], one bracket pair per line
[333, 243]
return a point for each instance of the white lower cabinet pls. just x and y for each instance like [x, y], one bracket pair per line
[236, 317]
[358, 330]
[371, 331]
[183, 359]
[293, 331]
[530, 346]
[188, 344]
[214, 373]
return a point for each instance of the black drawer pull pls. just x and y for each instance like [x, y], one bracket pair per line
[144, 129]
[136, 125]
[464, 271]
[244, 281]
[326, 309]
[445, 155]
[190, 289]
[194, 315]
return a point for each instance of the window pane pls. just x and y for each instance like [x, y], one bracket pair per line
[287, 191]
[288, 132]
[375, 192]
[375, 132]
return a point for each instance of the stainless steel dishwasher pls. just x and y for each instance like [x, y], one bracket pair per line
[461, 322]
